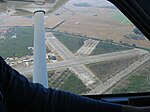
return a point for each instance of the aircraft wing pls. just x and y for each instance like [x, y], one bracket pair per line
[28, 7]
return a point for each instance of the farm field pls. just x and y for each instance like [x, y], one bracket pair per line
[73, 43]
[16, 42]
[121, 18]
[64, 80]
[105, 70]
[103, 21]
[109, 47]
[138, 81]
[100, 23]
[74, 85]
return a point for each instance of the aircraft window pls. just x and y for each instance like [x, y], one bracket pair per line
[94, 47]
[144, 4]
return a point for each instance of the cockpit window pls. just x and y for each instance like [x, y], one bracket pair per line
[91, 48]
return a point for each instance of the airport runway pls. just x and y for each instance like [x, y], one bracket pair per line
[87, 48]
[103, 87]
[86, 60]
[59, 47]
[81, 70]
[76, 63]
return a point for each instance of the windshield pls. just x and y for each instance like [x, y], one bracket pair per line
[91, 48]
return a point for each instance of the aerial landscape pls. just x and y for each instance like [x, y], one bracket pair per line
[92, 48]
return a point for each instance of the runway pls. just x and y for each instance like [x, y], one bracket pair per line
[77, 63]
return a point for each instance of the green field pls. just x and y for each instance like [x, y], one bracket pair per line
[73, 84]
[108, 47]
[105, 70]
[73, 43]
[120, 17]
[136, 82]
[66, 80]
[84, 4]
[17, 46]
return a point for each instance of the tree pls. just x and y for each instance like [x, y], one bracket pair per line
[137, 31]
[134, 45]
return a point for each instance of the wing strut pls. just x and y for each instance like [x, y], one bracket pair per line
[40, 66]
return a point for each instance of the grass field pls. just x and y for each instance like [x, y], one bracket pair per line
[105, 70]
[66, 80]
[73, 43]
[108, 47]
[17, 46]
[120, 17]
[138, 81]
[73, 84]
[83, 4]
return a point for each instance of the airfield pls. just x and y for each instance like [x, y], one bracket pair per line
[80, 47]
[76, 63]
